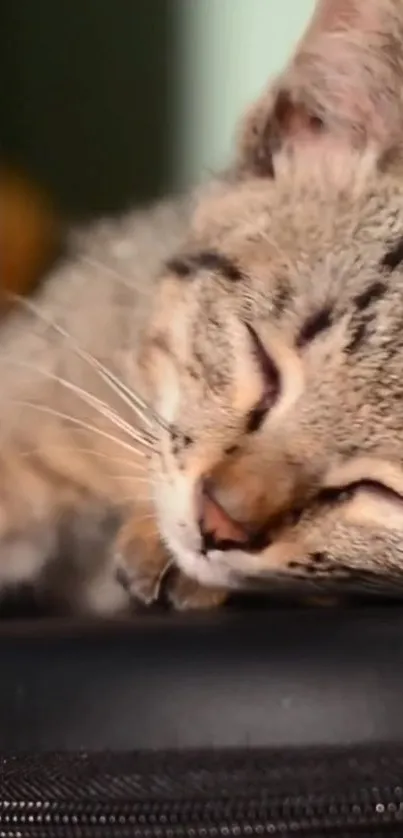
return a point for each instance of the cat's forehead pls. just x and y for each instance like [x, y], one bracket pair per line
[308, 231]
[302, 209]
[305, 249]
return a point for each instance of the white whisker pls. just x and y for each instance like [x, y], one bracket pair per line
[137, 467]
[116, 420]
[126, 394]
[135, 402]
[79, 423]
[141, 517]
[99, 266]
[109, 412]
[120, 423]
[127, 477]
[103, 409]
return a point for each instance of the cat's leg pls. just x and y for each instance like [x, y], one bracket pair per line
[142, 563]
[140, 559]
[186, 594]
[28, 535]
[23, 556]
[53, 538]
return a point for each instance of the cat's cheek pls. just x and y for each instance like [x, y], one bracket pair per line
[164, 384]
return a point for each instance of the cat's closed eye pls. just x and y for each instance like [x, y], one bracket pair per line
[349, 490]
[270, 380]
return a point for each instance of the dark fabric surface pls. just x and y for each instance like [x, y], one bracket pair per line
[266, 678]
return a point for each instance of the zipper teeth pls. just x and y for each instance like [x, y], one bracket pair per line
[203, 819]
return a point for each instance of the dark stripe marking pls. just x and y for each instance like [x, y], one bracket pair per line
[281, 298]
[393, 257]
[180, 265]
[206, 260]
[371, 294]
[358, 337]
[317, 323]
[363, 321]
[232, 449]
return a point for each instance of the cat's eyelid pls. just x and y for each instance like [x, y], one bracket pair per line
[267, 365]
[270, 380]
[346, 492]
[278, 364]
[367, 470]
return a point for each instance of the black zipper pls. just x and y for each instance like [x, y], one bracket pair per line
[215, 794]
[374, 811]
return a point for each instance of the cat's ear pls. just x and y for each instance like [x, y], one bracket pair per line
[344, 83]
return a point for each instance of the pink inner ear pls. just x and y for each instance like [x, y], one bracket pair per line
[294, 120]
[348, 70]
[343, 87]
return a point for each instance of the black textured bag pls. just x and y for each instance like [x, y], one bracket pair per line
[283, 723]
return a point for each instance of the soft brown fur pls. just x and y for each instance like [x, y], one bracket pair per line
[303, 258]
[65, 487]
[345, 80]
[322, 478]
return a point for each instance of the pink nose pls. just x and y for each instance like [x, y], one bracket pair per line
[217, 527]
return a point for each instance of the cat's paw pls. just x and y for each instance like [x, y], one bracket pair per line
[186, 594]
[141, 562]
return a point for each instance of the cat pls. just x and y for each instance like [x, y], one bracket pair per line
[226, 400]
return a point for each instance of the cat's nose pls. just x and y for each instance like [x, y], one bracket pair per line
[219, 531]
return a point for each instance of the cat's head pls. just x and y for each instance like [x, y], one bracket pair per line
[276, 356]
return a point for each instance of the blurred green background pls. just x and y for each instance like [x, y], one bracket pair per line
[109, 102]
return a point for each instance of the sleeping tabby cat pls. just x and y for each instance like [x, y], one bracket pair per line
[227, 398]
